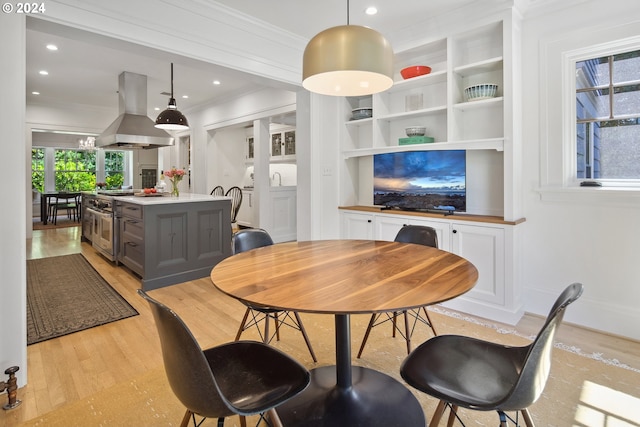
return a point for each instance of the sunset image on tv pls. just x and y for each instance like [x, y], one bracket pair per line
[421, 180]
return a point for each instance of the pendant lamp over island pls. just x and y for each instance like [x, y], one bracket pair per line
[172, 118]
[347, 60]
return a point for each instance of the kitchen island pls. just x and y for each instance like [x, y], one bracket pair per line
[168, 240]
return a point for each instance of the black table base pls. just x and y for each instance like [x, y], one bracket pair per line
[374, 399]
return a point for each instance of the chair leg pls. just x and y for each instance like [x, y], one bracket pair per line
[186, 418]
[366, 334]
[243, 421]
[266, 329]
[395, 317]
[453, 412]
[503, 419]
[528, 421]
[437, 415]
[275, 317]
[243, 323]
[407, 333]
[305, 336]
[274, 419]
[426, 314]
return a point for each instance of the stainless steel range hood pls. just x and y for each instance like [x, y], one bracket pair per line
[133, 129]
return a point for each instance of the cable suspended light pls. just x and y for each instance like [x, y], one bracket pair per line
[347, 60]
[172, 118]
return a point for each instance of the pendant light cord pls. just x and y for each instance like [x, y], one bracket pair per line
[172, 80]
[347, 12]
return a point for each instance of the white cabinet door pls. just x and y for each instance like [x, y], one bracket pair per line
[484, 247]
[387, 227]
[357, 226]
[245, 214]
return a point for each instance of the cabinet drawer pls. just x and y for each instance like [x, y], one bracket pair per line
[131, 211]
[132, 227]
[132, 253]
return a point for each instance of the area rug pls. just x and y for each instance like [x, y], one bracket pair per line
[65, 294]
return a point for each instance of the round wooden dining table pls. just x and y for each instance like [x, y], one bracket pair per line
[344, 277]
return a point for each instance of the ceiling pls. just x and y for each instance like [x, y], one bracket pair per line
[84, 70]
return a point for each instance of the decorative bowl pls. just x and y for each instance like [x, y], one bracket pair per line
[481, 91]
[414, 71]
[361, 113]
[415, 131]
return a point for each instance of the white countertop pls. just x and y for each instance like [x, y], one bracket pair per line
[167, 199]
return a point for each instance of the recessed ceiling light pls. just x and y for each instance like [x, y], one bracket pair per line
[185, 96]
[371, 10]
[35, 93]
[216, 82]
[44, 73]
[52, 47]
[157, 109]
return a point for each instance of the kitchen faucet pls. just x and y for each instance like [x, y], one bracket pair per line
[279, 178]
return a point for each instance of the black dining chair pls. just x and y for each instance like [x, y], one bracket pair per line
[421, 235]
[485, 376]
[236, 200]
[238, 378]
[252, 238]
[218, 190]
[69, 202]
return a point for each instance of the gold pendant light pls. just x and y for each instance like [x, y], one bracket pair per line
[347, 60]
[172, 118]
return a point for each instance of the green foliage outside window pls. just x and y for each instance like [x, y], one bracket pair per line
[37, 169]
[75, 170]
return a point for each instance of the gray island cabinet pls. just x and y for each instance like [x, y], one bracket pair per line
[169, 240]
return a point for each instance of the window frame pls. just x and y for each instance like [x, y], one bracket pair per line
[569, 61]
[557, 109]
[606, 182]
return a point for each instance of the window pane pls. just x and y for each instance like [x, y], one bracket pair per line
[593, 104]
[37, 169]
[621, 158]
[626, 67]
[75, 170]
[592, 73]
[626, 100]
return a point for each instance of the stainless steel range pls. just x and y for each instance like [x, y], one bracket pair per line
[100, 214]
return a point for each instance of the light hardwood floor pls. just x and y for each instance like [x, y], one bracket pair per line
[64, 370]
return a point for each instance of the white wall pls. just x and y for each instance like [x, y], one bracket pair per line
[588, 240]
[13, 301]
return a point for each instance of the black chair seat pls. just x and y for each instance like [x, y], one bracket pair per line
[465, 371]
[480, 375]
[242, 377]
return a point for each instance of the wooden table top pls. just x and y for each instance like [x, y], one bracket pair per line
[344, 276]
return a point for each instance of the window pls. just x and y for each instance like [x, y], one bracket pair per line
[75, 170]
[37, 169]
[114, 168]
[608, 118]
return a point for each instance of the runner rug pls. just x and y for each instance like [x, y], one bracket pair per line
[65, 294]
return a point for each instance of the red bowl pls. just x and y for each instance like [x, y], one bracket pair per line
[414, 71]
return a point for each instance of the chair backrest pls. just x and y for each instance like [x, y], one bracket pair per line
[537, 363]
[419, 234]
[249, 238]
[236, 200]
[186, 366]
[217, 191]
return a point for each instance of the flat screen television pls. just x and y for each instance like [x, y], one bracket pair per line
[421, 180]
